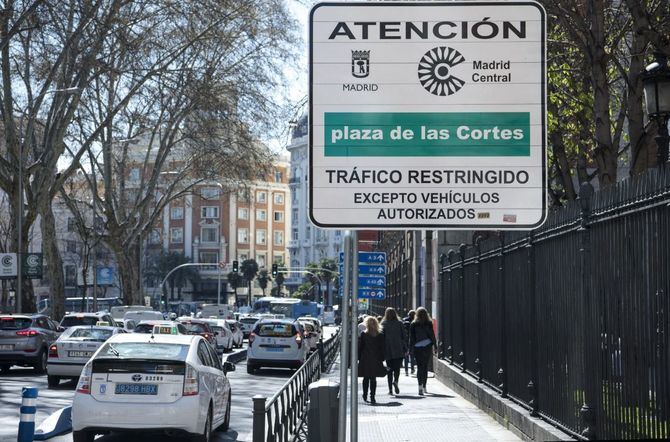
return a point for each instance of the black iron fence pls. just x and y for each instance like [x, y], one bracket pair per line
[571, 320]
[281, 417]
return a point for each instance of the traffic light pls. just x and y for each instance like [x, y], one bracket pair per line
[235, 266]
[274, 270]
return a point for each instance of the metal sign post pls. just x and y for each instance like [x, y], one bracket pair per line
[353, 263]
[344, 343]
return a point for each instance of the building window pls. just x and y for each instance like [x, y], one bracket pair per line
[294, 215]
[260, 259]
[242, 256]
[294, 234]
[279, 198]
[210, 193]
[261, 215]
[243, 196]
[176, 235]
[261, 197]
[209, 257]
[279, 216]
[278, 176]
[134, 174]
[71, 225]
[308, 232]
[155, 236]
[70, 276]
[71, 246]
[209, 212]
[278, 259]
[260, 236]
[243, 236]
[177, 213]
[243, 213]
[294, 198]
[278, 237]
[209, 234]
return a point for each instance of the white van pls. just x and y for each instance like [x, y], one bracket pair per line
[118, 311]
[143, 315]
[220, 311]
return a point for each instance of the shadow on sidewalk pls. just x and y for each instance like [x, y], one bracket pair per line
[385, 404]
[405, 396]
[438, 395]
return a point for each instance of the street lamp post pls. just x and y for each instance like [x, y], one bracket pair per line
[656, 83]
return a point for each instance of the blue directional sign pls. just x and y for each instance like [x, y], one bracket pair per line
[372, 281]
[371, 275]
[375, 270]
[366, 293]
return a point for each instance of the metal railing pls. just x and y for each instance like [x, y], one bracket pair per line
[571, 320]
[280, 418]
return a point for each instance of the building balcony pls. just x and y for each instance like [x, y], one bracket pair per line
[294, 180]
[322, 241]
[293, 244]
[306, 242]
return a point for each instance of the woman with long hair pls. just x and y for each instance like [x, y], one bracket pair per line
[395, 347]
[371, 357]
[422, 340]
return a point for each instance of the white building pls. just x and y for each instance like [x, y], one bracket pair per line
[307, 243]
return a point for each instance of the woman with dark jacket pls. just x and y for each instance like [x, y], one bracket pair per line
[395, 347]
[422, 339]
[371, 357]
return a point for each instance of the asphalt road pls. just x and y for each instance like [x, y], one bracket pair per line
[244, 387]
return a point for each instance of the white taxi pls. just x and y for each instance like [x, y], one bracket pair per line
[222, 333]
[276, 343]
[160, 383]
[74, 347]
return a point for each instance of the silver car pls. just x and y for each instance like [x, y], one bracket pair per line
[25, 340]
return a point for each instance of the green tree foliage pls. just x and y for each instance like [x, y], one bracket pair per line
[281, 277]
[249, 270]
[263, 280]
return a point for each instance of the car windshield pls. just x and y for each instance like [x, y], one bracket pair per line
[144, 350]
[10, 323]
[194, 327]
[91, 334]
[278, 330]
[70, 321]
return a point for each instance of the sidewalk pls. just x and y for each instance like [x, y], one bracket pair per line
[440, 415]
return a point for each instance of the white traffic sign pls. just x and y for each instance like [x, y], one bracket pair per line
[428, 115]
[8, 265]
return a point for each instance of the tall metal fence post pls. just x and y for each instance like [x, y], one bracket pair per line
[502, 371]
[258, 426]
[443, 320]
[322, 362]
[587, 411]
[532, 384]
[461, 253]
[450, 348]
[478, 276]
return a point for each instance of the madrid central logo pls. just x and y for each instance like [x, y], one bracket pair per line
[435, 71]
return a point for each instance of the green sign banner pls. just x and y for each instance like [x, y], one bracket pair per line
[427, 134]
[32, 265]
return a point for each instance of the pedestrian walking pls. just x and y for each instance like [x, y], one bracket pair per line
[371, 357]
[395, 347]
[410, 361]
[422, 340]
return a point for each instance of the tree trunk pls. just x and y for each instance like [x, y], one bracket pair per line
[53, 257]
[249, 292]
[84, 279]
[28, 296]
[605, 153]
[127, 260]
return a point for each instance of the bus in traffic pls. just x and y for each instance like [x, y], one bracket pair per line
[294, 308]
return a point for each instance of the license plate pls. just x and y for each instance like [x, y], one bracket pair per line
[6, 347]
[79, 354]
[147, 389]
[275, 349]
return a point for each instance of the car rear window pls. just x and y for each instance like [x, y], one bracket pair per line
[216, 328]
[194, 327]
[248, 320]
[144, 350]
[91, 334]
[277, 330]
[70, 321]
[144, 328]
[10, 323]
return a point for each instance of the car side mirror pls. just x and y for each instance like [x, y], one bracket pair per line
[216, 333]
[228, 367]
[60, 329]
